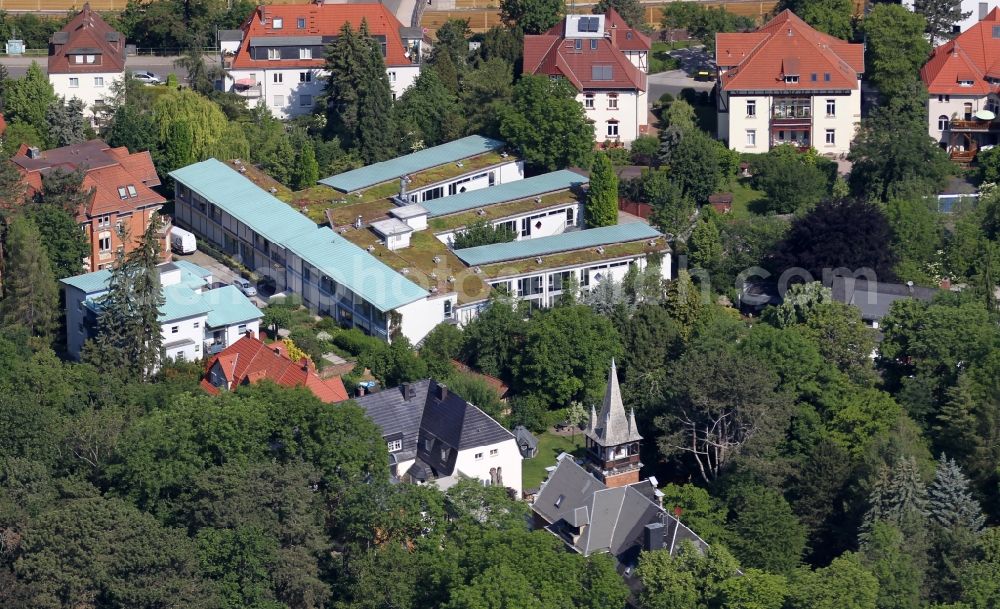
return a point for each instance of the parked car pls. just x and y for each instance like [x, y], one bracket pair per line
[245, 287]
[181, 241]
[147, 77]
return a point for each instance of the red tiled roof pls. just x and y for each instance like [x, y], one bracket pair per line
[3, 124]
[107, 169]
[554, 53]
[250, 360]
[501, 388]
[973, 55]
[87, 34]
[787, 45]
[320, 20]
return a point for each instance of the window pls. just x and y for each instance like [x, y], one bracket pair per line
[965, 83]
[305, 101]
[274, 53]
[826, 77]
[831, 107]
[812, 77]
[612, 101]
[89, 59]
[447, 309]
[588, 101]
[74, 83]
[242, 329]
[944, 98]
[570, 216]
[392, 76]
[300, 22]
[305, 53]
[601, 73]
[78, 59]
[122, 194]
[791, 80]
[943, 123]
[612, 129]
[175, 329]
[104, 244]
[394, 445]
[593, 44]
[559, 500]
[494, 452]
[197, 324]
[98, 81]
[831, 137]
[751, 138]
[278, 23]
[104, 220]
[751, 107]
[578, 44]
[305, 76]
[996, 31]
[479, 456]
[278, 77]
[967, 110]
[131, 191]
[444, 453]
[279, 101]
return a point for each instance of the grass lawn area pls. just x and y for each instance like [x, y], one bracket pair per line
[744, 198]
[549, 447]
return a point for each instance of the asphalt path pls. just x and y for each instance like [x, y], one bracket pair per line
[161, 66]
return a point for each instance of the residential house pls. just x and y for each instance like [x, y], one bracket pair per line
[603, 506]
[86, 57]
[875, 298]
[606, 62]
[787, 83]
[195, 319]
[279, 57]
[963, 80]
[249, 360]
[122, 201]
[434, 436]
[977, 10]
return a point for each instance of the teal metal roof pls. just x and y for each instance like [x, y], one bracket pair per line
[89, 283]
[229, 306]
[356, 269]
[181, 302]
[356, 179]
[192, 268]
[503, 193]
[542, 246]
[244, 200]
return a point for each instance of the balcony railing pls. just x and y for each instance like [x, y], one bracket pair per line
[253, 91]
[974, 125]
[962, 156]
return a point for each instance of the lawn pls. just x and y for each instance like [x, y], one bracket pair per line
[549, 446]
[744, 199]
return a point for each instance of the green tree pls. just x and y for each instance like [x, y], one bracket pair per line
[241, 560]
[799, 304]
[705, 245]
[941, 16]
[65, 243]
[601, 208]
[28, 100]
[201, 76]
[531, 16]
[439, 347]
[989, 165]
[133, 128]
[429, 110]
[792, 181]
[898, 497]
[694, 166]
[630, 10]
[376, 135]
[755, 590]
[212, 134]
[178, 147]
[305, 174]
[896, 48]
[949, 501]
[66, 123]
[765, 534]
[273, 150]
[844, 584]
[484, 91]
[129, 339]
[31, 294]
[474, 390]
[452, 40]
[671, 209]
[898, 577]
[493, 340]
[833, 17]
[481, 232]
[547, 125]
[276, 316]
[917, 237]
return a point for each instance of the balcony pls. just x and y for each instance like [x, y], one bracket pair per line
[963, 157]
[974, 126]
[247, 91]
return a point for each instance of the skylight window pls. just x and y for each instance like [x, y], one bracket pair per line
[131, 191]
[122, 193]
[789, 79]
[588, 24]
[601, 73]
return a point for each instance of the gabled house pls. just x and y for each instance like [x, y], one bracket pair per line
[875, 298]
[195, 319]
[787, 83]
[606, 61]
[277, 57]
[603, 506]
[434, 436]
[249, 360]
[86, 57]
[122, 199]
[963, 80]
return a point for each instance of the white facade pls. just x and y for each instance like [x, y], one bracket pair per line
[618, 116]
[756, 123]
[509, 171]
[977, 9]
[420, 317]
[504, 457]
[290, 92]
[531, 225]
[943, 109]
[91, 89]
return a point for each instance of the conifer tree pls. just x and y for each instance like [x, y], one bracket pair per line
[705, 246]
[64, 189]
[602, 196]
[376, 131]
[941, 16]
[950, 504]
[898, 497]
[307, 169]
[30, 291]
[344, 62]
[129, 338]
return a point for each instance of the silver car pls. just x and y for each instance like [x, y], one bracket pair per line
[244, 286]
[147, 77]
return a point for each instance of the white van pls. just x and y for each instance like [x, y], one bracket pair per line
[181, 241]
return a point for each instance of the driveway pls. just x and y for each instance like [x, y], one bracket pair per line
[220, 272]
[673, 81]
[161, 66]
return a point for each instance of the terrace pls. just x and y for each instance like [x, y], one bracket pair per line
[502, 210]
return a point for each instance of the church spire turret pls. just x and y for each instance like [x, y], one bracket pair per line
[613, 438]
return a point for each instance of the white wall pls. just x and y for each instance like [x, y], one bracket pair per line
[553, 223]
[420, 317]
[87, 89]
[844, 122]
[189, 329]
[735, 124]
[509, 171]
[977, 9]
[952, 106]
[631, 113]
[508, 459]
[233, 333]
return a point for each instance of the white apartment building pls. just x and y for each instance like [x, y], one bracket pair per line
[276, 59]
[86, 57]
[606, 61]
[976, 9]
[195, 320]
[787, 83]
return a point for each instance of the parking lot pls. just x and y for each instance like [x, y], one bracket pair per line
[220, 273]
[692, 60]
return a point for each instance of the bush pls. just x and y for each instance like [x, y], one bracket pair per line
[532, 412]
[645, 149]
[328, 325]
[618, 156]
[665, 99]
[355, 341]
[308, 343]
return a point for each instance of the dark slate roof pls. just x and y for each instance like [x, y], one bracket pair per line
[231, 35]
[432, 429]
[874, 298]
[607, 519]
[525, 437]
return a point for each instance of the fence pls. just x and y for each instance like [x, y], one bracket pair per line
[643, 210]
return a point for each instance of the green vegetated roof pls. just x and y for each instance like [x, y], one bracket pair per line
[542, 246]
[356, 179]
[502, 193]
[272, 219]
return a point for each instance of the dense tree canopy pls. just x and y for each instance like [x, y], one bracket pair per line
[547, 125]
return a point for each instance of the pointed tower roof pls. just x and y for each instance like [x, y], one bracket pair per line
[612, 426]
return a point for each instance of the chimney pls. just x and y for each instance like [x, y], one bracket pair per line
[251, 333]
[33, 152]
[442, 392]
[304, 362]
[653, 536]
[405, 388]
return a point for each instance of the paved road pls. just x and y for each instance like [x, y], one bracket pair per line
[161, 66]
